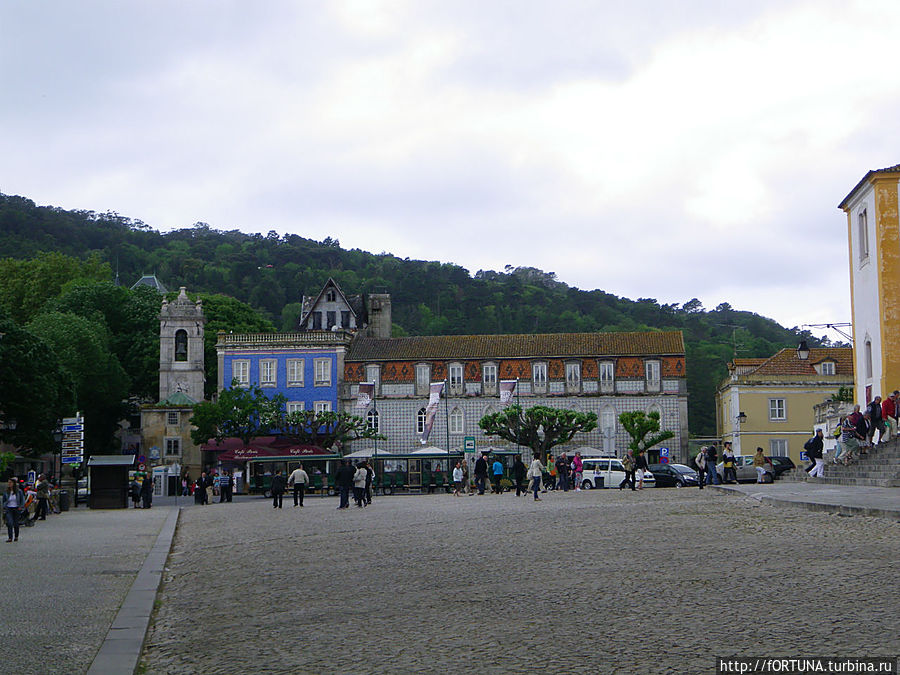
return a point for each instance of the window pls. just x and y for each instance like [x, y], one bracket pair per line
[651, 370]
[777, 409]
[295, 372]
[608, 429]
[457, 421]
[420, 421]
[172, 418]
[173, 446]
[573, 376]
[456, 378]
[539, 376]
[423, 378]
[181, 345]
[778, 447]
[240, 371]
[372, 420]
[868, 357]
[607, 375]
[373, 374]
[863, 228]
[828, 367]
[489, 377]
[330, 296]
[294, 406]
[330, 319]
[267, 369]
[323, 372]
[322, 406]
[345, 319]
[317, 321]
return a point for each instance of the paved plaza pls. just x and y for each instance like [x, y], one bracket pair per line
[657, 581]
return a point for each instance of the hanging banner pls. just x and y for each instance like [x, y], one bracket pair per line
[365, 395]
[507, 389]
[434, 400]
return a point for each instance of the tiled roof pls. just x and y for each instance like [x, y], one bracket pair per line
[443, 347]
[865, 179]
[786, 362]
[748, 362]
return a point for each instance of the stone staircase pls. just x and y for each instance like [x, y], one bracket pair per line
[879, 468]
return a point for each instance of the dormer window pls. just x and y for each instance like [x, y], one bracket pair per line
[827, 368]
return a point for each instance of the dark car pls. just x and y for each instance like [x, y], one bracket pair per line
[673, 475]
[781, 465]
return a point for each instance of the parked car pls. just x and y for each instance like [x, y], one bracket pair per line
[607, 472]
[674, 475]
[781, 464]
[746, 472]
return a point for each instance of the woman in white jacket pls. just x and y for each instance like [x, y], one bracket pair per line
[534, 473]
[359, 485]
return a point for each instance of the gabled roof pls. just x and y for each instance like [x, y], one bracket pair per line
[786, 362]
[865, 179]
[354, 302]
[445, 347]
[152, 281]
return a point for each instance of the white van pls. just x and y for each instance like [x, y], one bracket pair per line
[607, 472]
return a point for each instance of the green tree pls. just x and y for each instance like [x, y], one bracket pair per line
[239, 412]
[325, 429]
[638, 424]
[539, 428]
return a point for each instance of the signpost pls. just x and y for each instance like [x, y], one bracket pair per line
[72, 451]
[663, 455]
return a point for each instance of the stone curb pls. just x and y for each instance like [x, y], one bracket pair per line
[121, 649]
[845, 509]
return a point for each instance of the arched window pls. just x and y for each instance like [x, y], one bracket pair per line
[457, 421]
[181, 348]
[372, 420]
[420, 421]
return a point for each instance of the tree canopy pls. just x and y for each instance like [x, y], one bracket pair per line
[638, 425]
[539, 427]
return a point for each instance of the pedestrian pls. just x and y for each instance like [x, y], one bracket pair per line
[277, 489]
[876, 421]
[628, 464]
[759, 463]
[577, 470]
[863, 429]
[298, 480]
[562, 472]
[13, 505]
[359, 485]
[147, 491]
[729, 472]
[186, 485]
[814, 452]
[457, 478]
[201, 496]
[712, 475]
[370, 479]
[700, 461]
[135, 489]
[497, 475]
[465, 477]
[550, 470]
[229, 486]
[535, 472]
[889, 416]
[344, 481]
[519, 470]
[852, 432]
[42, 487]
[481, 473]
[224, 487]
[640, 468]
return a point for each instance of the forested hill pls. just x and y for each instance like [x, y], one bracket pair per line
[272, 272]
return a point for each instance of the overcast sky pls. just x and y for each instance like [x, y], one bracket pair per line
[650, 149]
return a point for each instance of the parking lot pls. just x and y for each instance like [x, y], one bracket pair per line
[597, 581]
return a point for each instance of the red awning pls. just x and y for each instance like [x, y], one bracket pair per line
[234, 449]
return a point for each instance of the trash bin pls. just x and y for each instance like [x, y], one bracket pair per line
[63, 500]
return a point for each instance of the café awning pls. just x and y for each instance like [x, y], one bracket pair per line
[265, 447]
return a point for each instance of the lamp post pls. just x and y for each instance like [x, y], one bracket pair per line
[803, 351]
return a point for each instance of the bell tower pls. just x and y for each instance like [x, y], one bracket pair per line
[181, 348]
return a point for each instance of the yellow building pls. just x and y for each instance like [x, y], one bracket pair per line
[768, 403]
[873, 227]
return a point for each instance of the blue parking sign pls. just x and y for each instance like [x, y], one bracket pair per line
[663, 452]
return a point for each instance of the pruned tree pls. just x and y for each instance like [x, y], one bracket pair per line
[539, 428]
[241, 412]
[638, 424]
[325, 429]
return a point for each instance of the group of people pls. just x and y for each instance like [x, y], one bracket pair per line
[25, 504]
[635, 469]
[857, 431]
[141, 489]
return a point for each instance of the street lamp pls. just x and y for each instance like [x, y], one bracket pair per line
[803, 350]
[741, 418]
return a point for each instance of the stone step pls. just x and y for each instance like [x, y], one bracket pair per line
[873, 482]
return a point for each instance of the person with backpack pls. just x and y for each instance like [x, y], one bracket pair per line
[813, 449]
[628, 465]
[700, 461]
[712, 476]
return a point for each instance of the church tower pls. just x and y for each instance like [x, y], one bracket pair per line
[181, 348]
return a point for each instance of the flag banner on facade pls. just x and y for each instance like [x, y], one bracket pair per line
[365, 395]
[507, 389]
[434, 400]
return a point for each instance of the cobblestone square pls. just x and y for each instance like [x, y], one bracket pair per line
[655, 581]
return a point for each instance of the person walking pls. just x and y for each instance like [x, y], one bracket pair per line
[551, 473]
[535, 472]
[497, 476]
[712, 475]
[147, 491]
[344, 481]
[814, 452]
[759, 463]
[13, 504]
[467, 486]
[298, 480]
[577, 470]
[277, 489]
[42, 487]
[135, 489]
[519, 470]
[359, 485]
[457, 478]
[640, 467]
[700, 461]
[728, 469]
[628, 465]
[370, 478]
[889, 416]
[562, 472]
[480, 473]
[876, 421]
[201, 496]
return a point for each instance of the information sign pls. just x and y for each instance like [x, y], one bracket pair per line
[469, 444]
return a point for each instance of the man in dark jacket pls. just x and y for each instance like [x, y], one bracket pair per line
[278, 485]
[814, 452]
[562, 470]
[876, 420]
[480, 473]
[712, 475]
[344, 481]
